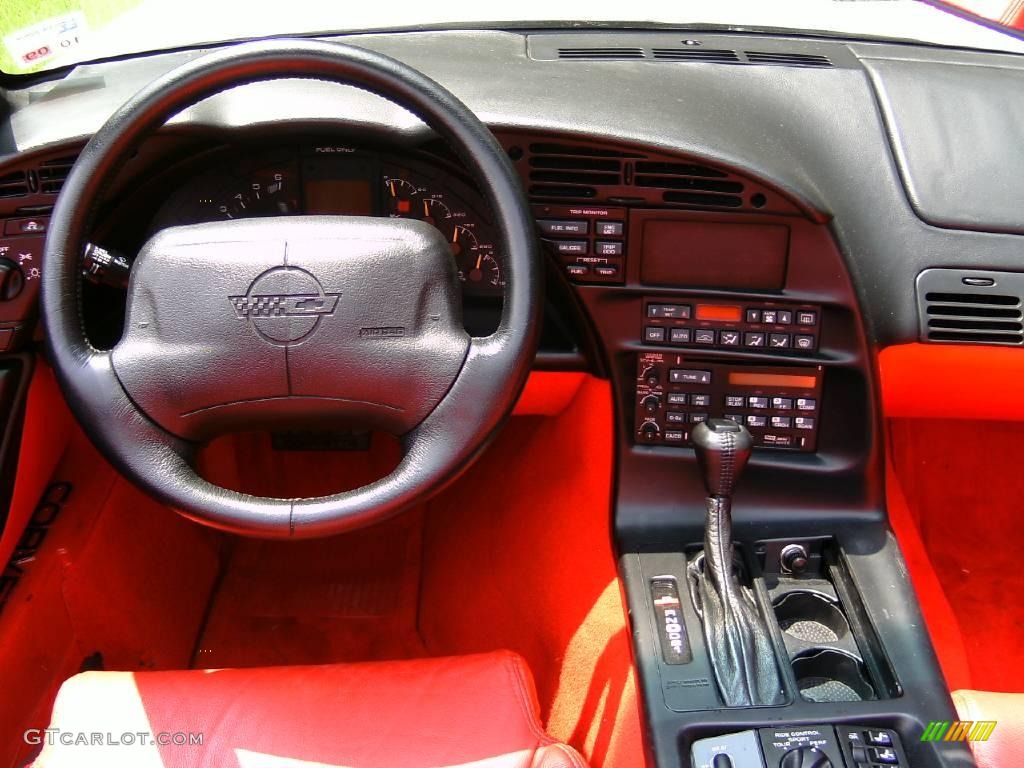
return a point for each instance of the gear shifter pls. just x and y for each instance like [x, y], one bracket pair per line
[737, 637]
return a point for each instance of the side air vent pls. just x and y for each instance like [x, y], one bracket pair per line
[53, 173]
[601, 54]
[971, 307]
[788, 59]
[570, 170]
[14, 184]
[712, 55]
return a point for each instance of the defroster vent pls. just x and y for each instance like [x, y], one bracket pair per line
[968, 307]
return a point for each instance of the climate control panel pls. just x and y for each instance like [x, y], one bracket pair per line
[744, 327]
[780, 405]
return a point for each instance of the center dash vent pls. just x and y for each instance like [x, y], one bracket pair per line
[596, 54]
[571, 170]
[690, 184]
[788, 59]
[53, 173]
[714, 55]
[971, 307]
[14, 184]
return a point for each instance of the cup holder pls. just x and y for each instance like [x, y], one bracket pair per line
[829, 676]
[811, 617]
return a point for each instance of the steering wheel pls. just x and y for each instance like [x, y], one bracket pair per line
[293, 321]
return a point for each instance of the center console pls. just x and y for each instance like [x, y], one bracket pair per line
[716, 297]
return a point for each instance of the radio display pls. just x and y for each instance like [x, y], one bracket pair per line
[751, 379]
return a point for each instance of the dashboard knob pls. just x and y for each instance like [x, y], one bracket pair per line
[649, 431]
[652, 376]
[12, 280]
[652, 403]
[805, 757]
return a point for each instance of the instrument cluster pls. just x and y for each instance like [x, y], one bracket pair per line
[333, 180]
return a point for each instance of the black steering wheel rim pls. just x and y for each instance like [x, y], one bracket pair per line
[439, 448]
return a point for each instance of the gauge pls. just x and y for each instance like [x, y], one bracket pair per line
[469, 239]
[267, 190]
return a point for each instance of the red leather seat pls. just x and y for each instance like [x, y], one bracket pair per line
[1005, 747]
[478, 711]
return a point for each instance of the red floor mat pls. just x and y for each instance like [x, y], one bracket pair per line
[963, 484]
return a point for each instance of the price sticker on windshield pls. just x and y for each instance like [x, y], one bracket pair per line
[47, 40]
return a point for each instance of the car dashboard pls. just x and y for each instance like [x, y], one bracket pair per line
[733, 226]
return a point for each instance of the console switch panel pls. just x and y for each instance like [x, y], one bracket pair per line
[802, 746]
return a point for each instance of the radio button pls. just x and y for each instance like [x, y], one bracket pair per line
[782, 422]
[757, 402]
[782, 403]
[679, 335]
[757, 421]
[675, 417]
[701, 400]
[609, 228]
[735, 401]
[704, 336]
[806, 403]
[677, 398]
[803, 422]
[697, 418]
[560, 227]
[737, 417]
[688, 376]
[674, 436]
[777, 441]
[654, 333]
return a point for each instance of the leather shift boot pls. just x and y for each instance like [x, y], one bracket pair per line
[738, 642]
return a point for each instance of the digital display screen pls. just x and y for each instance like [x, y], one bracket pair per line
[752, 379]
[347, 197]
[718, 312]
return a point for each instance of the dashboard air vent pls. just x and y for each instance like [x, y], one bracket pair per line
[690, 184]
[788, 59]
[14, 184]
[715, 56]
[53, 173]
[570, 170]
[971, 307]
[601, 54]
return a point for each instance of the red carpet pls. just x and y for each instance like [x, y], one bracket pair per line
[963, 484]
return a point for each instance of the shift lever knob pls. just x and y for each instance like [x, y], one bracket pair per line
[723, 448]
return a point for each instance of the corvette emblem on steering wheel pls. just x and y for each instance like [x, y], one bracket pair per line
[285, 305]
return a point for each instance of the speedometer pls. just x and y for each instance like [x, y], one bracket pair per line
[469, 239]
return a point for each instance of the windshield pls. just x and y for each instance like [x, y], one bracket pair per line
[45, 34]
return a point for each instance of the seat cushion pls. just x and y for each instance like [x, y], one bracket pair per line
[1005, 746]
[469, 711]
